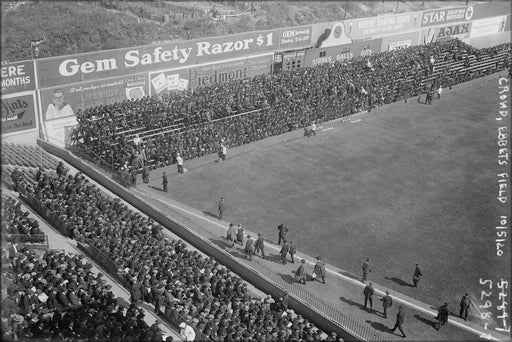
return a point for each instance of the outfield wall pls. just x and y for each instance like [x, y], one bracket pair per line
[104, 77]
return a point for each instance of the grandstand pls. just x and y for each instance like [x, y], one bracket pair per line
[91, 253]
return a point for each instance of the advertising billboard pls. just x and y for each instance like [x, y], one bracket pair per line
[295, 37]
[484, 27]
[204, 75]
[434, 34]
[18, 77]
[63, 101]
[104, 64]
[18, 113]
[400, 41]
[491, 9]
[447, 15]
[343, 52]
[382, 25]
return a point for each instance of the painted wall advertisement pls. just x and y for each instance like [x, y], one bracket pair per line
[18, 77]
[447, 15]
[484, 27]
[343, 52]
[295, 37]
[205, 75]
[18, 113]
[104, 64]
[434, 34]
[65, 100]
[382, 25]
[401, 41]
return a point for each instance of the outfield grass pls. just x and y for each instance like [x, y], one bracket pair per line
[407, 184]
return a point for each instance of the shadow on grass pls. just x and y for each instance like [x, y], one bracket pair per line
[274, 257]
[399, 281]
[287, 277]
[378, 326]
[207, 213]
[426, 320]
[351, 302]
[159, 188]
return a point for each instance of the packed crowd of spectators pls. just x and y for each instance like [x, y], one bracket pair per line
[285, 101]
[165, 273]
[16, 223]
[57, 297]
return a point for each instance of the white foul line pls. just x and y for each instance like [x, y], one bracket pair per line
[355, 121]
[351, 280]
[327, 129]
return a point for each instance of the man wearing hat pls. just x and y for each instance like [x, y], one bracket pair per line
[417, 276]
[300, 273]
[319, 269]
[400, 316]
[368, 293]
[249, 247]
[187, 332]
[284, 251]
[259, 245]
[442, 315]
[387, 301]
[465, 303]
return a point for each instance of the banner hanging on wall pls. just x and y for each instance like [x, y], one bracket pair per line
[18, 113]
[65, 100]
[18, 77]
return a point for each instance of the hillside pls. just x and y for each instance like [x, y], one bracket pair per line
[74, 27]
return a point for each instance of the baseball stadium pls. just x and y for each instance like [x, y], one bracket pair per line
[341, 178]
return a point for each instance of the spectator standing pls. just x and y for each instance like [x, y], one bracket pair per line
[366, 270]
[368, 295]
[133, 174]
[164, 181]
[187, 332]
[400, 317]
[231, 234]
[292, 251]
[465, 303]
[313, 128]
[387, 302]
[249, 247]
[145, 173]
[439, 91]
[179, 162]
[319, 270]
[442, 315]
[300, 273]
[259, 245]
[240, 235]
[284, 251]
[282, 233]
[417, 275]
[223, 151]
[221, 207]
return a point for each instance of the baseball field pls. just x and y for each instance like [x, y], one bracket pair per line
[406, 183]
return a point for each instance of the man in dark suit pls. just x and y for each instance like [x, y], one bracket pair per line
[399, 321]
[284, 251]
[387, 301]
[164, 182]
[249, 247]
[442, 315]
[259, 246]
[368, 293]
[282, 233]
[417, 275]
[465, 303]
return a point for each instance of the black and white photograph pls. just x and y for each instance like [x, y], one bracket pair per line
[255, 171]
